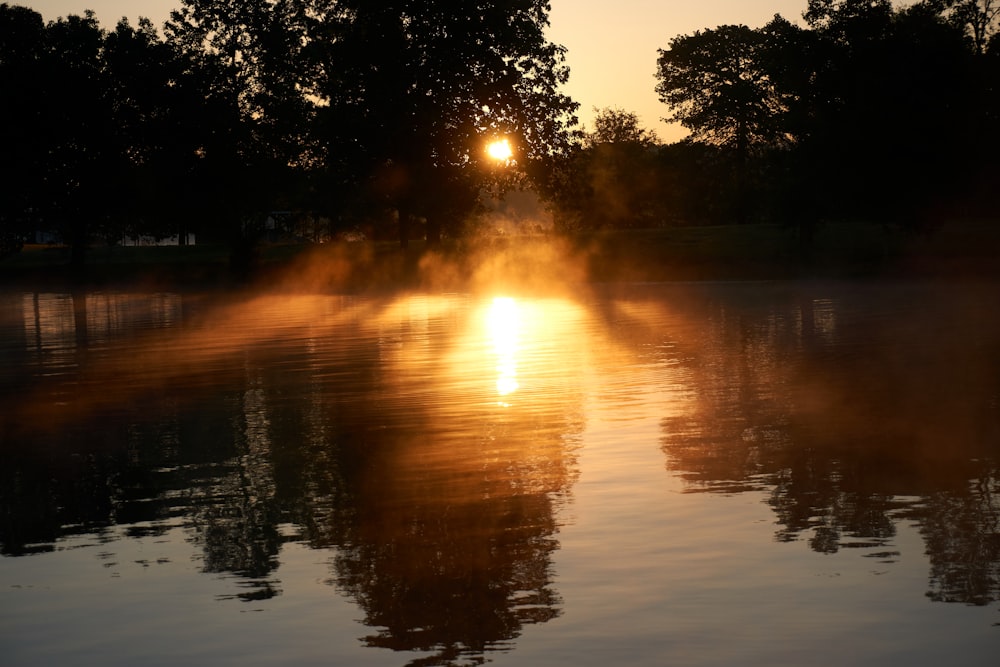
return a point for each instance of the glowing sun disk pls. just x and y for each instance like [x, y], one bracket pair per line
[499, 150]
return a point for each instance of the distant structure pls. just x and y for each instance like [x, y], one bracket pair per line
[145, 240]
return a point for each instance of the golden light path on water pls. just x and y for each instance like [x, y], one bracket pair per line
[601, 474]
[503, 321]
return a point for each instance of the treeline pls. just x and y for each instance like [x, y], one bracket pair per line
[865, 112]
[350, 113]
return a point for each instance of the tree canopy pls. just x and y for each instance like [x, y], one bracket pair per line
[718, 86]
[444, 78]
[866, 111]
[343, 108]
[351, 113]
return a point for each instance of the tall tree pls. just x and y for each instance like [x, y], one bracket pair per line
[93, 123]
[247, 63]
[717, 87]
[720, 84]
[23, 63]
[888, 76]
[414, 88]
[80, 151]
[146, 95]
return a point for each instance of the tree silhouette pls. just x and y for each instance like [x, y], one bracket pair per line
[414, 89]
[248, 72]
[978, 17]
[103, 139]
[22, 65]
[613, 179]
[719, 85]
[62, 128]
[887, 77]
[155, 119]
[837, 115]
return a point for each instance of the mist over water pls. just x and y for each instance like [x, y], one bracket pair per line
[688, 473]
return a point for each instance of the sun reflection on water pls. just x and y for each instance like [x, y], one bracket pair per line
[503, 322]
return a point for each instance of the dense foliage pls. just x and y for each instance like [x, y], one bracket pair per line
[340, 114]
[869, 111]
[337, 111]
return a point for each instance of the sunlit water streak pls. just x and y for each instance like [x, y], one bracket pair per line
[702, 475]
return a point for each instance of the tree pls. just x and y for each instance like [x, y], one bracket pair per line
[852, 22]
[978, 21]
[867, 112]
[721, 85]
[148, 99]
[979, 18]
[92, 136]
[412, 89]
[22, 129]
[247, 72]
[617, 126]
[79, 151]
[618, 171]
[717, 87]
[888, 77]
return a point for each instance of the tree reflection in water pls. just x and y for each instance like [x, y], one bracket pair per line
[447, 524]
[376, 435]
[430, 457]
[852, 414]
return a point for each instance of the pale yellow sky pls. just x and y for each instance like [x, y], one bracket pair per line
[612, 45]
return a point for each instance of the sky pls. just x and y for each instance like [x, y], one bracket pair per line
[612, 46]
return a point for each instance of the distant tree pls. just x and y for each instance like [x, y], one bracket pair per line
[148, 100]
[717, 86]
[694, 181]
[617, 126]
[92, 132]
[866, 112]
[979, 21]
[886, 78]
[619, 169]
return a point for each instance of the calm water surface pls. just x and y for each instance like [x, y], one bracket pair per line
[728, 474]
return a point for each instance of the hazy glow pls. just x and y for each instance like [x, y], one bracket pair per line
[500, 150]
[503, 321]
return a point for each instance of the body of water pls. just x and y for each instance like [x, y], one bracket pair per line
[691, 474]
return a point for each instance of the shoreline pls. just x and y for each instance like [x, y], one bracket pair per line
[957, 253]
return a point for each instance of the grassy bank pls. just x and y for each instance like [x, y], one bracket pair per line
[749, 252]
[842, 251]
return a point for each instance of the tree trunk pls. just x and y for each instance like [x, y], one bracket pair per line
[742, 140]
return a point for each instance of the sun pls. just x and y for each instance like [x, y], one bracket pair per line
[499, 150]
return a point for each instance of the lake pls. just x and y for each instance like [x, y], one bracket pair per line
[658, 474]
